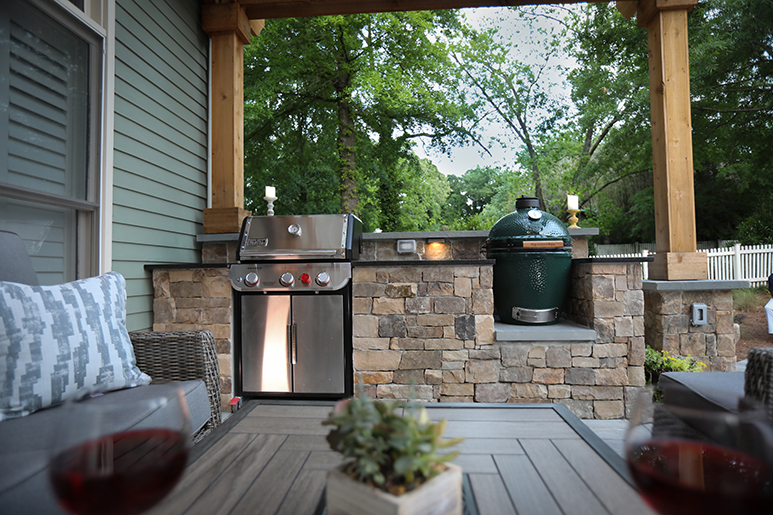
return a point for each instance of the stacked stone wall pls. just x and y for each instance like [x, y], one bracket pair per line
[418, 329]
[196, 299]
[426, 333]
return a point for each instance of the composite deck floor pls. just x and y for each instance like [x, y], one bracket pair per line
[535, 459]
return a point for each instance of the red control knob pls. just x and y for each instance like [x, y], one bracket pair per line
[306, 279]
[323, 279]
[251, 279]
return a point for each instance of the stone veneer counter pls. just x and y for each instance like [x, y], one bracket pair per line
[424, 330]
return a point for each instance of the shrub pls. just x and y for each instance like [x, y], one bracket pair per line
[657, 362]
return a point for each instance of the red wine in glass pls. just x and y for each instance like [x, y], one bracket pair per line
[684, 477]
[119, 474]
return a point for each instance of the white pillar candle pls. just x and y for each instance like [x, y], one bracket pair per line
[270, 191]
[572, 202]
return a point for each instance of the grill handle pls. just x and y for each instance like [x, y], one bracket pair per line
[294, 344]
[289, 343]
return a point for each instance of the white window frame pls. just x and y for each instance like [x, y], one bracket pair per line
[98, 17]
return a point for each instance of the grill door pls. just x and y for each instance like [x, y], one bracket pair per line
[265, 346]
[319, 343]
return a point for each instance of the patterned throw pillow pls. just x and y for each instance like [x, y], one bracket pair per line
[57, 340]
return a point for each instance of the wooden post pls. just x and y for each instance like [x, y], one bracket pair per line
[230, 30]
[677, 257]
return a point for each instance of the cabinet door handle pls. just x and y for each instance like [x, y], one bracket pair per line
[289, 344]
[293, 340]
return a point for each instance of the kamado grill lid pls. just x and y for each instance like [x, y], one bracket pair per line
[527, 229]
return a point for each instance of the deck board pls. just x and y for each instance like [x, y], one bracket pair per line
[269, 489]
[529, 493]
[491, 496]
[607, 485]
[566, 486]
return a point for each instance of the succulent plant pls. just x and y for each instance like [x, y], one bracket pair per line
[392, 445]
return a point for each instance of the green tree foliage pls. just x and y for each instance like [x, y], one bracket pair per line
[731, 56]
[409, 196]
[333, 103]
[482, 196]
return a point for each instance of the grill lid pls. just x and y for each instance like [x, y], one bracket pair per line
[300, 237]
[528, 228]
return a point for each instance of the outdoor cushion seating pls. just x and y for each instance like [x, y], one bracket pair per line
[703, 390]
[691, 394]
[723, 391]
[56, 340]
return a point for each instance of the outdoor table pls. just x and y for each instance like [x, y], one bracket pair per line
[272, 457]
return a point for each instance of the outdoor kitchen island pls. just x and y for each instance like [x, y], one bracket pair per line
[423, 324]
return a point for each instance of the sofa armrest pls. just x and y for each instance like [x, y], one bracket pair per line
[758, 378]
[181, 356]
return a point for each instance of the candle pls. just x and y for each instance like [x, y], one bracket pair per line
[572, 202]
[270, 191]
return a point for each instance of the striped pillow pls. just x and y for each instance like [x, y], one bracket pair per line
[57, 340]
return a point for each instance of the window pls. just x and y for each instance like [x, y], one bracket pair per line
[50, 112]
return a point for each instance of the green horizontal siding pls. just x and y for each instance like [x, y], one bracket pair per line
[160, 158]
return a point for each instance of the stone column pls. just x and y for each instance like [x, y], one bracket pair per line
[668, 317]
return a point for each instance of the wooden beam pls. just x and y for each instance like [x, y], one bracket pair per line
[256, 26]
[260, 9]
[628, 8]
[676, 240]
[649, 8]
[227, 28]
[226, 18]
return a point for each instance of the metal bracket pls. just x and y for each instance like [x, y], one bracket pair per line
[535, 316]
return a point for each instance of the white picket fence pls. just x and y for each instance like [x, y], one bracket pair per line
[753, 263]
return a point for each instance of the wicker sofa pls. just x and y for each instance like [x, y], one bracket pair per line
[185, 360]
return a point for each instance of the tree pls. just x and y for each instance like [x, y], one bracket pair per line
[513, 92]
[339, 99]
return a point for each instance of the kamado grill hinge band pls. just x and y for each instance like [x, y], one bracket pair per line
[535, 316]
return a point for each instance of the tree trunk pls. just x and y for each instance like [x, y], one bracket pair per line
[346, 156]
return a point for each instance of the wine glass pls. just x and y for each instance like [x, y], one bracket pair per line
[691, 461]
[100, 467]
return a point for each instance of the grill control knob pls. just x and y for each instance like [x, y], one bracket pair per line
[287, 279]
[323, 279]
[251, 279]
[305, 279]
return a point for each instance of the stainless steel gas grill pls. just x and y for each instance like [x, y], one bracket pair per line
[292, 306]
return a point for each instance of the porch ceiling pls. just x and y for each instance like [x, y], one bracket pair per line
[260, 9]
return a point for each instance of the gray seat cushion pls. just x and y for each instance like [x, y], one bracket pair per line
[25, 444]
[15, 264]
[703, 390]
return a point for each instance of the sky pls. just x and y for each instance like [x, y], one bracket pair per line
[462, 159]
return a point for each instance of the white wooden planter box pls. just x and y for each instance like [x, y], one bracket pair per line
[440, 495]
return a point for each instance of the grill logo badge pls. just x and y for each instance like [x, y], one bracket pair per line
[257, 242]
